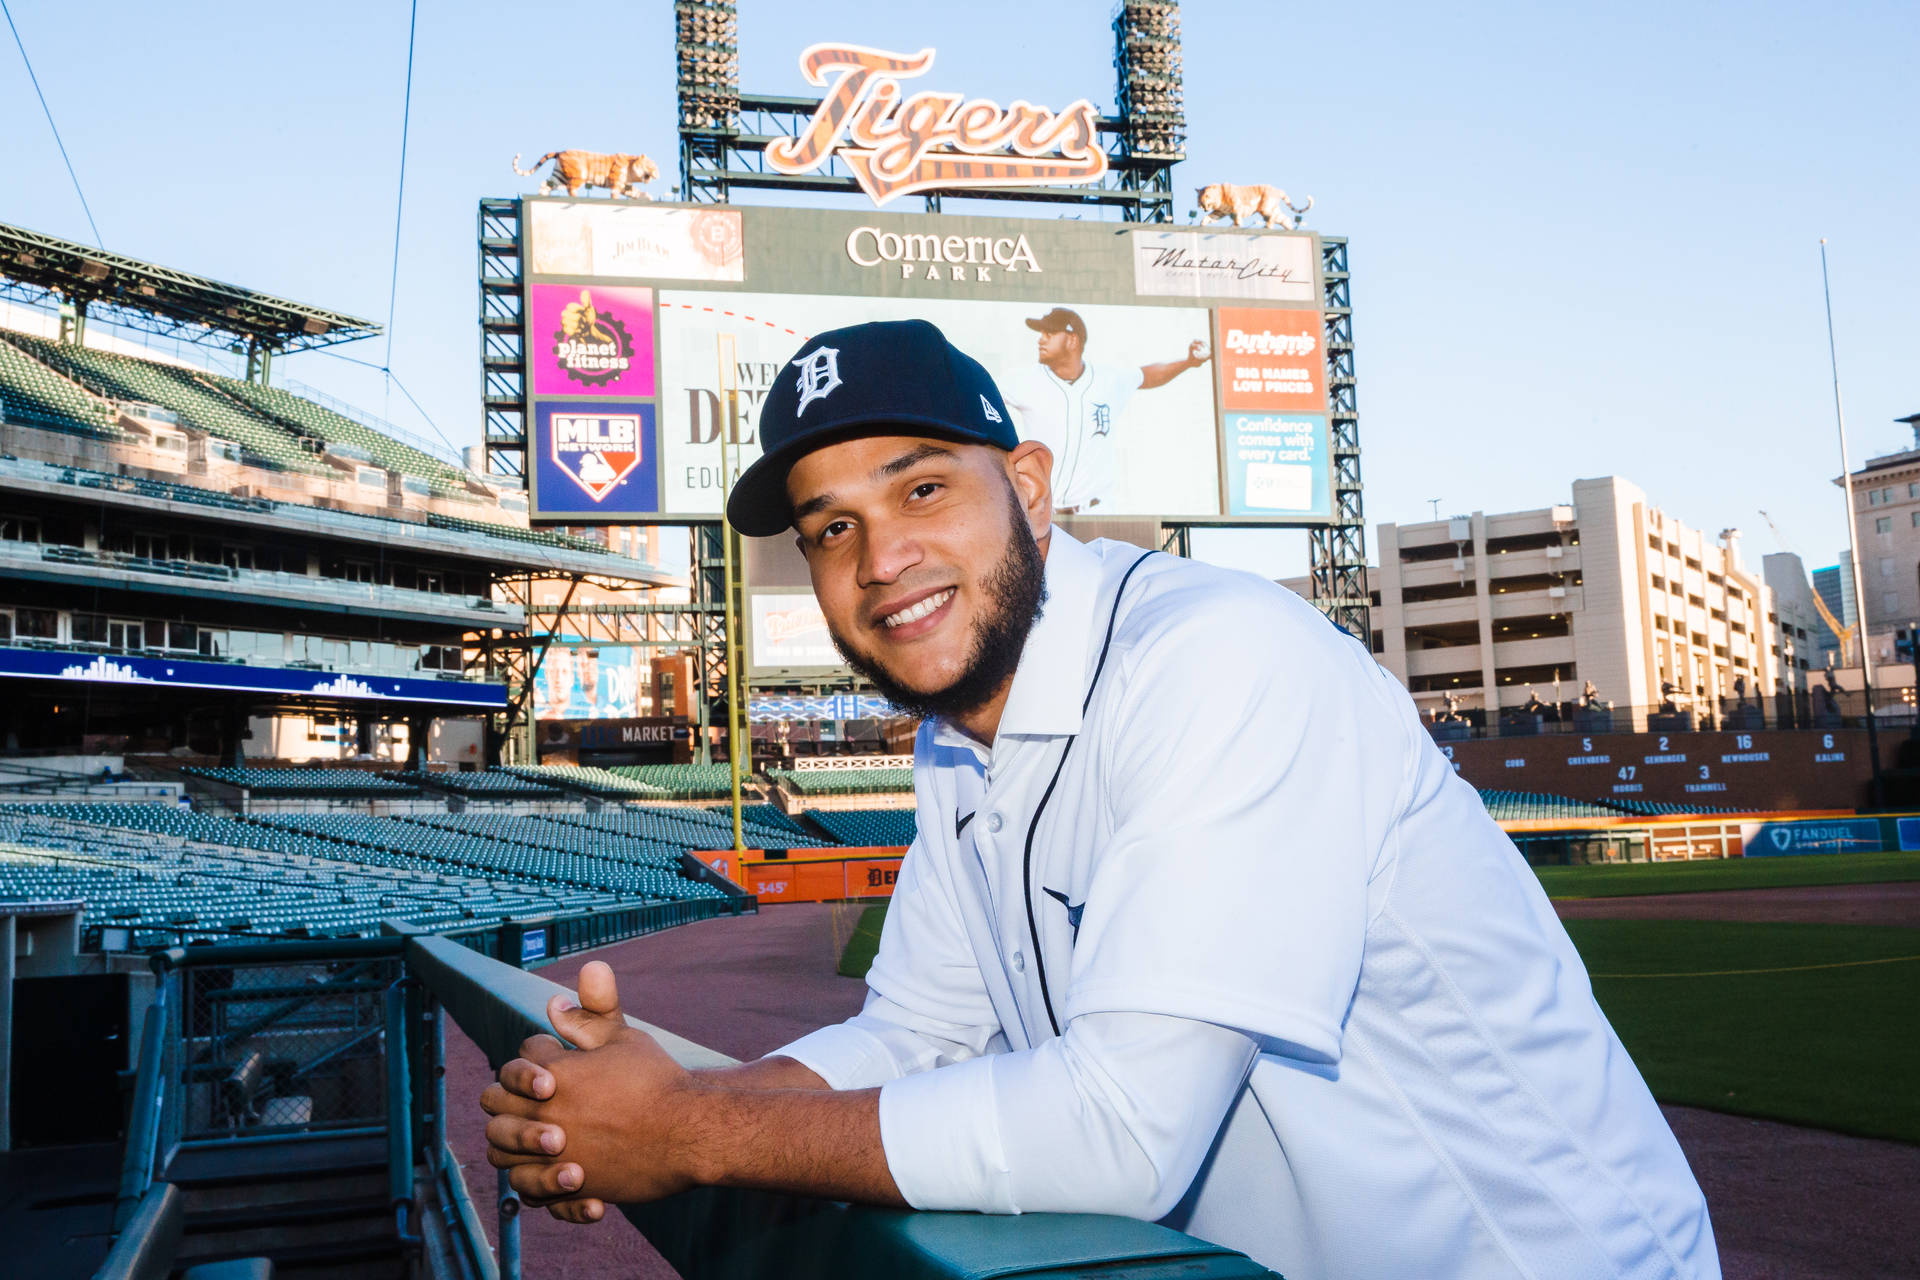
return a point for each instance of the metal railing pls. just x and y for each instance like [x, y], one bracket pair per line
[564, 935]
[718, 1233]
[1893, 708]
[283, 1043]
[371, 1009]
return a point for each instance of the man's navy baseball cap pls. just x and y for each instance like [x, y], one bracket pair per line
[891, 377]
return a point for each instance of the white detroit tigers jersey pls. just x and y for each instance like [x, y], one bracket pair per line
[1313, 1005]
[1077, 420]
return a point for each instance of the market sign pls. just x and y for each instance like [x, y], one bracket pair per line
[931, 140]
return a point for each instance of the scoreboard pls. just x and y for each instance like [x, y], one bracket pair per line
[1746, 770]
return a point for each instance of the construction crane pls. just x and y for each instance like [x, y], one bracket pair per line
[1843, 634]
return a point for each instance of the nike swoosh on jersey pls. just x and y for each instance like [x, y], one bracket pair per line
[960, 824]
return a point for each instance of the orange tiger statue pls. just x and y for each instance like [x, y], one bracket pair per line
[576, 169]
[1270, 203]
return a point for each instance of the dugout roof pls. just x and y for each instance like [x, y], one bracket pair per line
[156, 299]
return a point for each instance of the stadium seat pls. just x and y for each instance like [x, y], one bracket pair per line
[306, 782]
[844, 782]
[32, 393]
[175, 389]
[305, 418]
[866, 827]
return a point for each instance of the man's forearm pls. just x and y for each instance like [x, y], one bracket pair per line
[1159, 375]
[810, 1140]
[774, 1072]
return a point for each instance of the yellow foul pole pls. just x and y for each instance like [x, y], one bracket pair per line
[738, 761]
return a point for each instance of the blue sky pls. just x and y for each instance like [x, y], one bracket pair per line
[1583, 242]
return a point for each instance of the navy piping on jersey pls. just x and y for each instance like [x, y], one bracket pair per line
[1026, 861]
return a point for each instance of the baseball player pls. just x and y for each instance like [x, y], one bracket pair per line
[1304, 1000]
[1073, 407]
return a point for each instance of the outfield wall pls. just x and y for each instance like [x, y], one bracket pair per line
[836, 875]
[1757, 770]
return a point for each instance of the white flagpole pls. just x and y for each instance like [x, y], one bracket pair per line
[1853, 537]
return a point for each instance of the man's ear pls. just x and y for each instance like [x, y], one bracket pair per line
[1030, 469]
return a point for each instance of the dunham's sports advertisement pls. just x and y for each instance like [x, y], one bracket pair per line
[1177, 375]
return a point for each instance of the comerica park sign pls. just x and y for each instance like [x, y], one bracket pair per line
[898, 145]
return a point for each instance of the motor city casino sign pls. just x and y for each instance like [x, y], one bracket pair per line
[898, 145]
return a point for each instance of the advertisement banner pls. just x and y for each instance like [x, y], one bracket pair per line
[615, 733]
[620, 240]
[772, 708]
[1277, 465]
[594, 458]
[1272, 360]
[1200, 264]
[1821, 835]
[594, 341]
[589, 682]
[297, 683]
[787, 630]
[1124, 351]
[1128, 412]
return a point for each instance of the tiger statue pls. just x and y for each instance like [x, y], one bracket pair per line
[576, 169]
[1223, 199]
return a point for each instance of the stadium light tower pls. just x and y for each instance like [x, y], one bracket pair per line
[1150, 98]
[707, 56]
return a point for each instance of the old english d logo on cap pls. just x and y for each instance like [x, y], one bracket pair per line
[819, 375]
[596, 450]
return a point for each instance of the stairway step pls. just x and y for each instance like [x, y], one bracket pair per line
[230, 1196]
[319, 1209]
[244, 1164]
[337, 1241]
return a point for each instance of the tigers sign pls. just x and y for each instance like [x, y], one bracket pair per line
[931, 141]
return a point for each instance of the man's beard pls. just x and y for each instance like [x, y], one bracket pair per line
[1015, 592]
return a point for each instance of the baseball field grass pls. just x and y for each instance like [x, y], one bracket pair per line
[858, 956]
[1733, 873]
[1813, 1024]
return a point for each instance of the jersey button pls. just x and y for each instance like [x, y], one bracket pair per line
[995, 822]
[1019, 962]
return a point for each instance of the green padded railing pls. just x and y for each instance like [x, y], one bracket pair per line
[722, 1234]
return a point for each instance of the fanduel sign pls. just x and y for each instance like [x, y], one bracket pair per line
[931, 140]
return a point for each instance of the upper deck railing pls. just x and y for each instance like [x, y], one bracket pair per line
[1893, 708]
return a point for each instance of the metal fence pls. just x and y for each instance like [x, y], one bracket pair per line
[270, 1045]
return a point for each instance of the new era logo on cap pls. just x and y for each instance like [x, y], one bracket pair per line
[993, 414]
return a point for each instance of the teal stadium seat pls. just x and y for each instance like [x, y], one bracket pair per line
[176, 875]
[866, 827]
[844, 782]
[175, 389]
[32, 393]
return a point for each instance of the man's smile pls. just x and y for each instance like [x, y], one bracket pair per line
[919, 615]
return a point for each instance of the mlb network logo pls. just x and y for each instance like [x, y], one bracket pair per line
[596, 450]
[595, 457]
